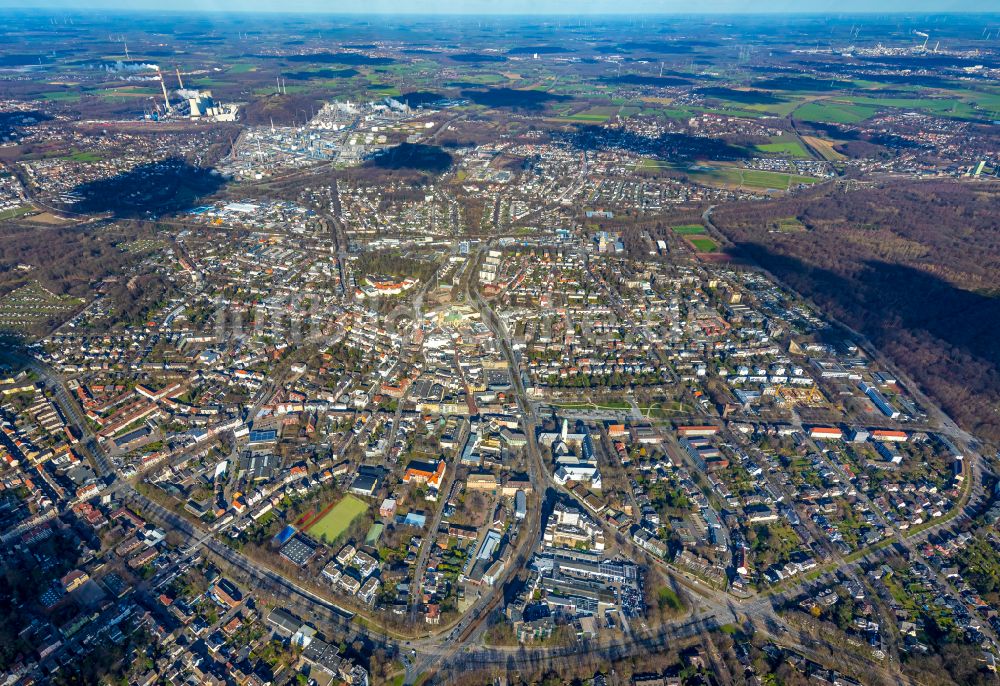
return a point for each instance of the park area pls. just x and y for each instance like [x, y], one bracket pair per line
[334, 520]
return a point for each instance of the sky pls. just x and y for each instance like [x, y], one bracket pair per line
[525, 7]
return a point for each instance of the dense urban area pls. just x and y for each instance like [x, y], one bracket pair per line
[499, 351]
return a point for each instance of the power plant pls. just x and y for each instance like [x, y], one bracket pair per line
[195, 104]
[202, 104]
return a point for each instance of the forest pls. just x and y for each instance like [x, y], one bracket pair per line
[165, 186]
[425, 158]
[69, 260]
[911, 265]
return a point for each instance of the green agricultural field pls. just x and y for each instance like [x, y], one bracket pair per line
[587, 118]
[784, 147]
[335, 522]
[749, 178]
[594, 115]
[704, 244]
[675, 112]
[332, 83]
[113, 94]
[834, 112]
[943, 107]
[959, 103]
[689, 229]
[987, 101]
[778, 109]
[385, 90]
[484, 78]
[61, 96]
[216, 83]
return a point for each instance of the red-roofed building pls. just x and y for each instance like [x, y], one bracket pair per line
[425, 472]
[826, 432]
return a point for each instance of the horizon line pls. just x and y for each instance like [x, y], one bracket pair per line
[92, 9]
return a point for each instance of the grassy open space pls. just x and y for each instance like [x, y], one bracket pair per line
[960, 104]
[777, 109]
[835, 112]
[208, 82]
[666, 410]
[61, 96]
[125, 93]
[748, 178]
[384, 89]
[988, 101]
[704, 244]
[335, 522]
[785, 147]
[944, 107]
[787, 225]
[602, 405]
[586, 118]
[678, 112]
[84, 156]
[649, 164]
[689, 229]
[15, 212]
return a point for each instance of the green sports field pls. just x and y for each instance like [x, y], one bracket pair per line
[336, 521]
[704, 244]
[689, 229]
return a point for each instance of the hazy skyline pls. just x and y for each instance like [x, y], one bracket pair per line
[523, 7]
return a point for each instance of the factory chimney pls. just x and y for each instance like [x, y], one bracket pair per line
[163, 85]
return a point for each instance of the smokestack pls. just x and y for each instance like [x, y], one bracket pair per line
[180, 81]
[163, 85]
